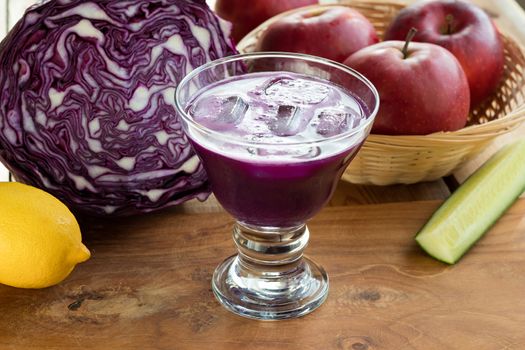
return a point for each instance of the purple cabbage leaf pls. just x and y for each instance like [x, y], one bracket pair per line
[87, 107]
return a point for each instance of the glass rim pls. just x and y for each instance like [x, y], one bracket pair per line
[270, 54]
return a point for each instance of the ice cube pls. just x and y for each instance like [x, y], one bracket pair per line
[233, 110]
[204, 107]
[220, 110]
[334, 121]
[293, 91]
[285, 122]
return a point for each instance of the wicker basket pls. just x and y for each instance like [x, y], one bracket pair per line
[385, 160]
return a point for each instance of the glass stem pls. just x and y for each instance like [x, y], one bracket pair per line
[269, 278]
[270, 247]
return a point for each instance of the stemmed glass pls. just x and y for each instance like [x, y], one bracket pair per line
[269, 278]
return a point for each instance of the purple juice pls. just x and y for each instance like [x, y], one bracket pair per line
[275, 144]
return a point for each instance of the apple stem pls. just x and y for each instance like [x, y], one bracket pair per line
[449, 19]
[411, 33]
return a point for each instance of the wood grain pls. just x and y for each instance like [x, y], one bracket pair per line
[349, 194]
[147, 286]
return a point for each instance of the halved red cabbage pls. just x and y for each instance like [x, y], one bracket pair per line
[87, 100]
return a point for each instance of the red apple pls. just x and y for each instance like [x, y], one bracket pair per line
[332, 32]
[248, 14]
[422, 87]
[465, 30]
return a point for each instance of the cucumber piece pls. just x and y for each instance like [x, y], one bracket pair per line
[475, 206]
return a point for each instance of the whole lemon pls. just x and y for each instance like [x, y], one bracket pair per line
[40, 241]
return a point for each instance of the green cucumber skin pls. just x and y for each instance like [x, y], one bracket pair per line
[474, 241]
[497, 212]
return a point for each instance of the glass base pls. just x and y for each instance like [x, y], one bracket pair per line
[270, 279]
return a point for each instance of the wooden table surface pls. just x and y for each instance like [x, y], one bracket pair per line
[147, 285]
